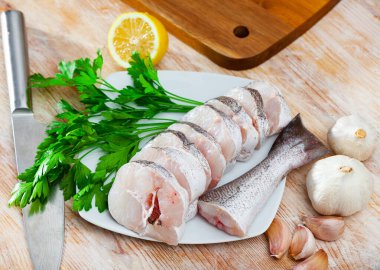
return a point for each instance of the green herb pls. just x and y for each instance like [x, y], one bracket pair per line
[76, 133]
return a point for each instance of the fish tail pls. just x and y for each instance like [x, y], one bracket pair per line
[299, 144]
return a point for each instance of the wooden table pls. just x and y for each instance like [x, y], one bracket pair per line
[331, 71]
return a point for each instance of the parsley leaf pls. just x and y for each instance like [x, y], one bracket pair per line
[117, 132]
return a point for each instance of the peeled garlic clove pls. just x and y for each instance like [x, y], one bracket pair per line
[279, 237]
[327, 228]
[303, 243]
[319, 261]
[352, 136]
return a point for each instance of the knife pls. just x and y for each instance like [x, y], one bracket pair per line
[45, 230]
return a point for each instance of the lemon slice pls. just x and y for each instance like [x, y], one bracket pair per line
[137, 32]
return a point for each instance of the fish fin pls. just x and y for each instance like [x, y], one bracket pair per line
[295, 139]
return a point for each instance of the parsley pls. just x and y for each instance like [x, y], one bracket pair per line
[75, 133]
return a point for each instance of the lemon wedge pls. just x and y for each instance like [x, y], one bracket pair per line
[137, 32]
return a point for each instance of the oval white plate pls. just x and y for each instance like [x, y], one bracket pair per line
[199, 86]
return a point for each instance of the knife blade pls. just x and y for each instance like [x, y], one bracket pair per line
[45, 230]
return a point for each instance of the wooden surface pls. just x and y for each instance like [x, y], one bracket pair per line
[237, 34]
[331, 71]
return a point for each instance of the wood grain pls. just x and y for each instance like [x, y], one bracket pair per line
[209, 26]
[331, 71]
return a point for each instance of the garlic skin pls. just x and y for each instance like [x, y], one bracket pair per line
[353, 137]
[279, 237]
[303, 243]
[339, 185]
[326, 228]
[319, 261]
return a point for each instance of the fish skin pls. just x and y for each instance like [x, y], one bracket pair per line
[200, 130]
[191, 211]
[131, 203]
[234, 130]
[262, 121]
[275, 107]
[191, 177]
[238, 114]
[177, 139]
[252, 102]
[225, 131]
[208, 147]
[234, 206]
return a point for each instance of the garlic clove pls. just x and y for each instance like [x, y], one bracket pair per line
[303, 243]
[319, 261]
[279, 237]
[327, 228]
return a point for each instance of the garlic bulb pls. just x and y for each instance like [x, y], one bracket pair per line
[339, 185]
[303, 243]
[353, 137]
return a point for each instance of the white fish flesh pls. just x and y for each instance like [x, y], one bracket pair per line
[225, 131]
[252, 102]
[148, 200]
[158, 190]
[184, 166]
[191, 211]
[177, 139]
[233, 207]
[275, 107]
[233, 109]
[207, 145]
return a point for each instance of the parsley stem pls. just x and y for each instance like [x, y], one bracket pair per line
[174, 107]
[118, 133]
[163, 119]
[178, 110]
[151, 134]
[187, 100]
[152, 124]
[109, 90]
[88, 152]
[140, 131]
[110, 86]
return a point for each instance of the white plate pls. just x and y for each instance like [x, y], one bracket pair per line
[199, 86]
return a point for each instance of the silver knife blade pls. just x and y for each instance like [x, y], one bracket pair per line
[45, 230]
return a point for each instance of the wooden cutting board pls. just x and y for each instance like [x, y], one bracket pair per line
[237, 34]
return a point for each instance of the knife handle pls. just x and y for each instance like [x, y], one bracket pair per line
[16, 59]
